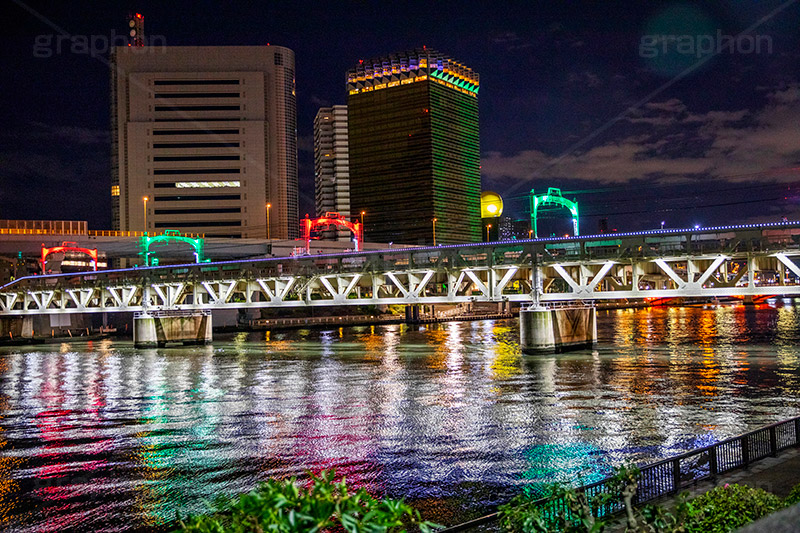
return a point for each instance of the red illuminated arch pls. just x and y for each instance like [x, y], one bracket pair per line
[67, 247]
[331, 219]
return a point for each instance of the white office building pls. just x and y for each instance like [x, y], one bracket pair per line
[207, 134]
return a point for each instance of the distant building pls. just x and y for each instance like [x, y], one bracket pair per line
[414, 148]
[332, 166]
[511, 229]
[208, 135]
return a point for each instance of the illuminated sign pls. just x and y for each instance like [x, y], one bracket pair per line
[205, 184]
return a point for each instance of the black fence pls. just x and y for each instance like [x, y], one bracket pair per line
[669, 476]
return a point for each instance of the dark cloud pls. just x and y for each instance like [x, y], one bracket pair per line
[678, 145]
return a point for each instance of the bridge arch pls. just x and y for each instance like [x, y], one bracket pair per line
[170, 236]
[552, 197]
[331, 219]
[67, 247]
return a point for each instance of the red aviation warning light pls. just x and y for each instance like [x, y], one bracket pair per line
[135, 29]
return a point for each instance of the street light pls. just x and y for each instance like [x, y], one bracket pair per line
[662, 224]
[363, 239]
[434, 231]
[488, 228]
[144, 201]
[268, 207]
[530, 234]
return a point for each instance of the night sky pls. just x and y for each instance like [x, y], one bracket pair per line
[640, 110]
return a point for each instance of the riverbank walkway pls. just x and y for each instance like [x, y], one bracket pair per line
[777, 475]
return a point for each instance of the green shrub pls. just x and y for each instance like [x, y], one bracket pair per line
[563, 509]
[724, 509]
[522, 515]
[793, 497]
[284, 507]
[657, 519]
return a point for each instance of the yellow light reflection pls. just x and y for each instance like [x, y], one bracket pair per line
[507, 360]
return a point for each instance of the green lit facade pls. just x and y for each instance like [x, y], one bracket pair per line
[414, 148]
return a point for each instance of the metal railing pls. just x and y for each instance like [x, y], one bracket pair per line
[171, 313]
[670, 476]
[320, 320]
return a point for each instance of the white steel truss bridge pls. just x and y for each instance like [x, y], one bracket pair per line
[745, 260]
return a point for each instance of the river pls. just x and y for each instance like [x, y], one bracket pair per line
[102, 436]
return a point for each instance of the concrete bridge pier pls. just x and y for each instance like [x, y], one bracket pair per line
[157, 328]
[16, 327]
[543, 330]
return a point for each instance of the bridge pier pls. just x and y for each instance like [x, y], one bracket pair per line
[543, 330]
[503, 307]
[412, 314]
[19, 327]
[157, 328]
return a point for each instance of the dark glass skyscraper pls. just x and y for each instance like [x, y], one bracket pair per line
[414, 148]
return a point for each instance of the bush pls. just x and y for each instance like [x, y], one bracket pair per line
[794, 496]
[720, 510]
[724, 509]
[284, 507]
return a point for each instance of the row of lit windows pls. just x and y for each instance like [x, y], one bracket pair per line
[205, 184]
[71, 262]
[386, 68]
[395, 83]
[198, 198]
[404, 82]
[434, 72]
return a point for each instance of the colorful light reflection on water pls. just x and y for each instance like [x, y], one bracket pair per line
[450, 416]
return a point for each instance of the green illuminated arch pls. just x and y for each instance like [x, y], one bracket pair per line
[169, 236]
[552, 197]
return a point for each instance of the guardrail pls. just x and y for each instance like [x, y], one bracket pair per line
[669, 476]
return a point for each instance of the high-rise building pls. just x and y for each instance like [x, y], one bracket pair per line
[332, 166]
[414, 148]
[208, 135]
